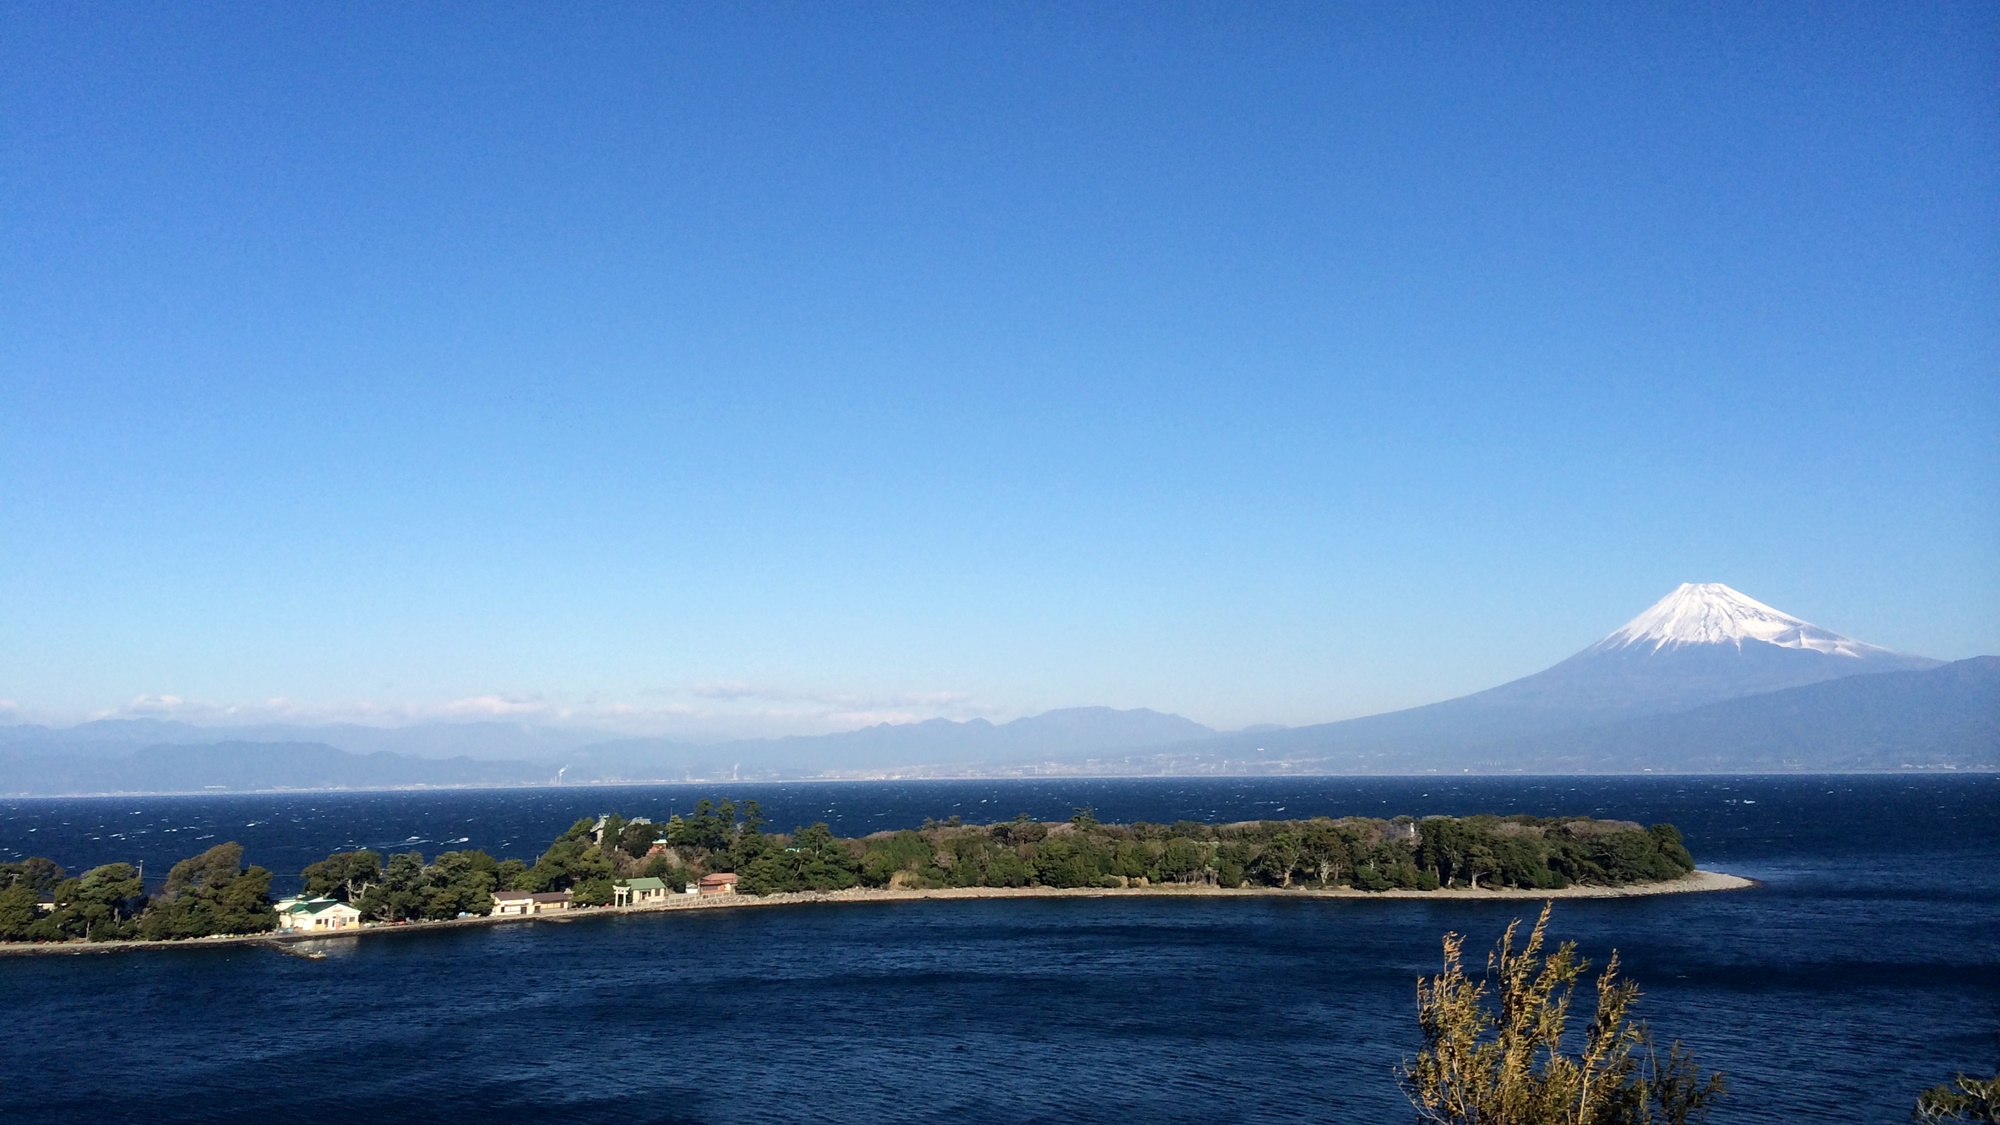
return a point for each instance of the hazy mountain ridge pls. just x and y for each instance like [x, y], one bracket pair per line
[236, 766]
[99, 757]
[1706, 679]
[1064, 733]
[480, 739]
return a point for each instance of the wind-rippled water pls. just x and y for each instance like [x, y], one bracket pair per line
[1865, 967]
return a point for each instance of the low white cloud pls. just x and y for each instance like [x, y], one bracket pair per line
[719, 708]
[495, 706]
[744, 690]
[735, 689]
[855, 720]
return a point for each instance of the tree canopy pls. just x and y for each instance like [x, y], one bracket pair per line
[408, 889]
[212, 893]
[1364, 853]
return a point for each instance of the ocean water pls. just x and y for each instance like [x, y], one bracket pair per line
[1865, 966]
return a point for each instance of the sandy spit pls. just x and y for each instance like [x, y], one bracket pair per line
[1695, 882]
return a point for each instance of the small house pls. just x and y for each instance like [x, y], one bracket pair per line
[519, 903]
[638, 892]
[720, 883]
[513, 902]
[316, 914]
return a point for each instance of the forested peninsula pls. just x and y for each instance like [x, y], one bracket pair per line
[722, 847]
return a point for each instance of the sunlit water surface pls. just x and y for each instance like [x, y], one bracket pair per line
[1866, 966]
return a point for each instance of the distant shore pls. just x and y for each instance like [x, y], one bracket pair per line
[1981, 770]
[1695, 882]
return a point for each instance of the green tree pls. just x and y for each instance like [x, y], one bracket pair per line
[343, 875]
[1059, 861]
[1279, 859]
[17, 912]
[1667, 839]
[459, 883]
[99, 906]
[1326, 852]
[1020, 831]
[571, 860]
[37, 874]
[1443, 845]
[820, 862]
[886, 856]
[212, 893]
[592, 890]
[1505, 1061]
[1232, 862]
[711, 826]
[1184, 861]
[400, 894]
[668, 870]
[507, 876]
[454, 883]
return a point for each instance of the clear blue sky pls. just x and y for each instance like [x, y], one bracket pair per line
[706, 368]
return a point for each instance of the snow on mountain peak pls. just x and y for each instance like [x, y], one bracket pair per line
[1710, 613]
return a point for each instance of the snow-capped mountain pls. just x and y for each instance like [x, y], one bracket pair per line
[1710, 613]
[1701, 644]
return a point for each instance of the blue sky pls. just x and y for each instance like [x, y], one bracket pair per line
[755, 368]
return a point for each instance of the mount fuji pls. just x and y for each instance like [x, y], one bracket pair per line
[1701, 645]
[1707, 679]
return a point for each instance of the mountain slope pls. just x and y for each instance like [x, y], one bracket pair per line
[1943, 717]
[1068, 734]
[1701, 644]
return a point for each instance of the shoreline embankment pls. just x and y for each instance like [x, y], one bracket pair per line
[1693, 883]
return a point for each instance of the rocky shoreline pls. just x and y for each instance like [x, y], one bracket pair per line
[1693, 883]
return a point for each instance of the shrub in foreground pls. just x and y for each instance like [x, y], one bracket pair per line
[1500, 1051]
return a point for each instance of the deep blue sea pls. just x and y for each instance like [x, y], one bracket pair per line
[1866, 966]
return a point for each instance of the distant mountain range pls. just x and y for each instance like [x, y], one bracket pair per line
[118, 737]
[1075, 734]
[1707, 679]
[240, 766]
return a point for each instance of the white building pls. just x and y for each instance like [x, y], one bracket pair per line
[522, 902]
[638, 892]
[317, 914]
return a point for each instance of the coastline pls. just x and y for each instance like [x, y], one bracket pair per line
[1982, 770]
[1696, 882]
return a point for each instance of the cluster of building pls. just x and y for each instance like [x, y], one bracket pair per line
[640, 892]
[301, 913]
